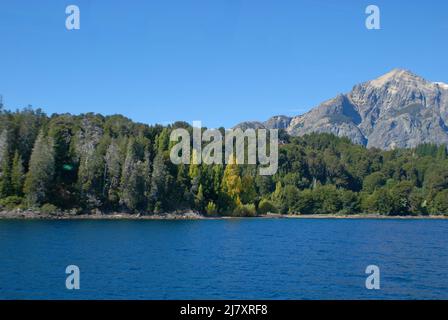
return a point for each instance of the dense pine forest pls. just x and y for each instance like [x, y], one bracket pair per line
[92, 163]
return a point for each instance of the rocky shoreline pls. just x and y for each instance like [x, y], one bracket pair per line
[189, 215]
[35, 215]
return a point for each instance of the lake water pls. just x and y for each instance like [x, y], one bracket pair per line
[224, 259]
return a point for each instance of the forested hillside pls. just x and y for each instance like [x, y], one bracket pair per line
[92, 163]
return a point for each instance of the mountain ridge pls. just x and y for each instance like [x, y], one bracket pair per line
[397, 109]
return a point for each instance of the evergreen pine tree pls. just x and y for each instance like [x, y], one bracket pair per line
[132, 183]
[158, 190]
[112, 175]
[41, 170]
[5, 175]
[17, 175]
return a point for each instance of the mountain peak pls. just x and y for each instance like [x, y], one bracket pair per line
[399, 72]
[398, 109]
[396, 75]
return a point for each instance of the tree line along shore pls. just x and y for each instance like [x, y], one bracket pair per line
[89, 164]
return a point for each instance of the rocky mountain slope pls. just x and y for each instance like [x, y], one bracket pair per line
[398, 109]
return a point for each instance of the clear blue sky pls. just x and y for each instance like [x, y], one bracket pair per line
[219, 61]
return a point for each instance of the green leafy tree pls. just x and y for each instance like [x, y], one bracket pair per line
[39, 178]
[159, 185]
[248, 190]
[112, 174]
[90, 179]
[290, 198]
[440, 203]
[132, 179]
[327, 200]
[5, 166]
[17, 174]
[306, 203]
[265, 206]
[200, 199]
[211, 209]
[232, 184]
[183, 187]
[380, 202]
[374, 181]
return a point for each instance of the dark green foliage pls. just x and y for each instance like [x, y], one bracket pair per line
[49, 208]
[373, 182]
[133, 178]
[10, 203]
[91, 163]
[440, 203]
[5, 174]
[266, 206]
[160, 182]
[17, 174]
[211, 209]
[38, 183]
[245, 210]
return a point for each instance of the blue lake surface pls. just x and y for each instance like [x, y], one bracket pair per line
[224, 259]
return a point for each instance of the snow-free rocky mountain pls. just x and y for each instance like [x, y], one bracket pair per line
[399, 109]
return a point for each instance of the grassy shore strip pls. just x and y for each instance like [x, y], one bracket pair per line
[31, 215]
